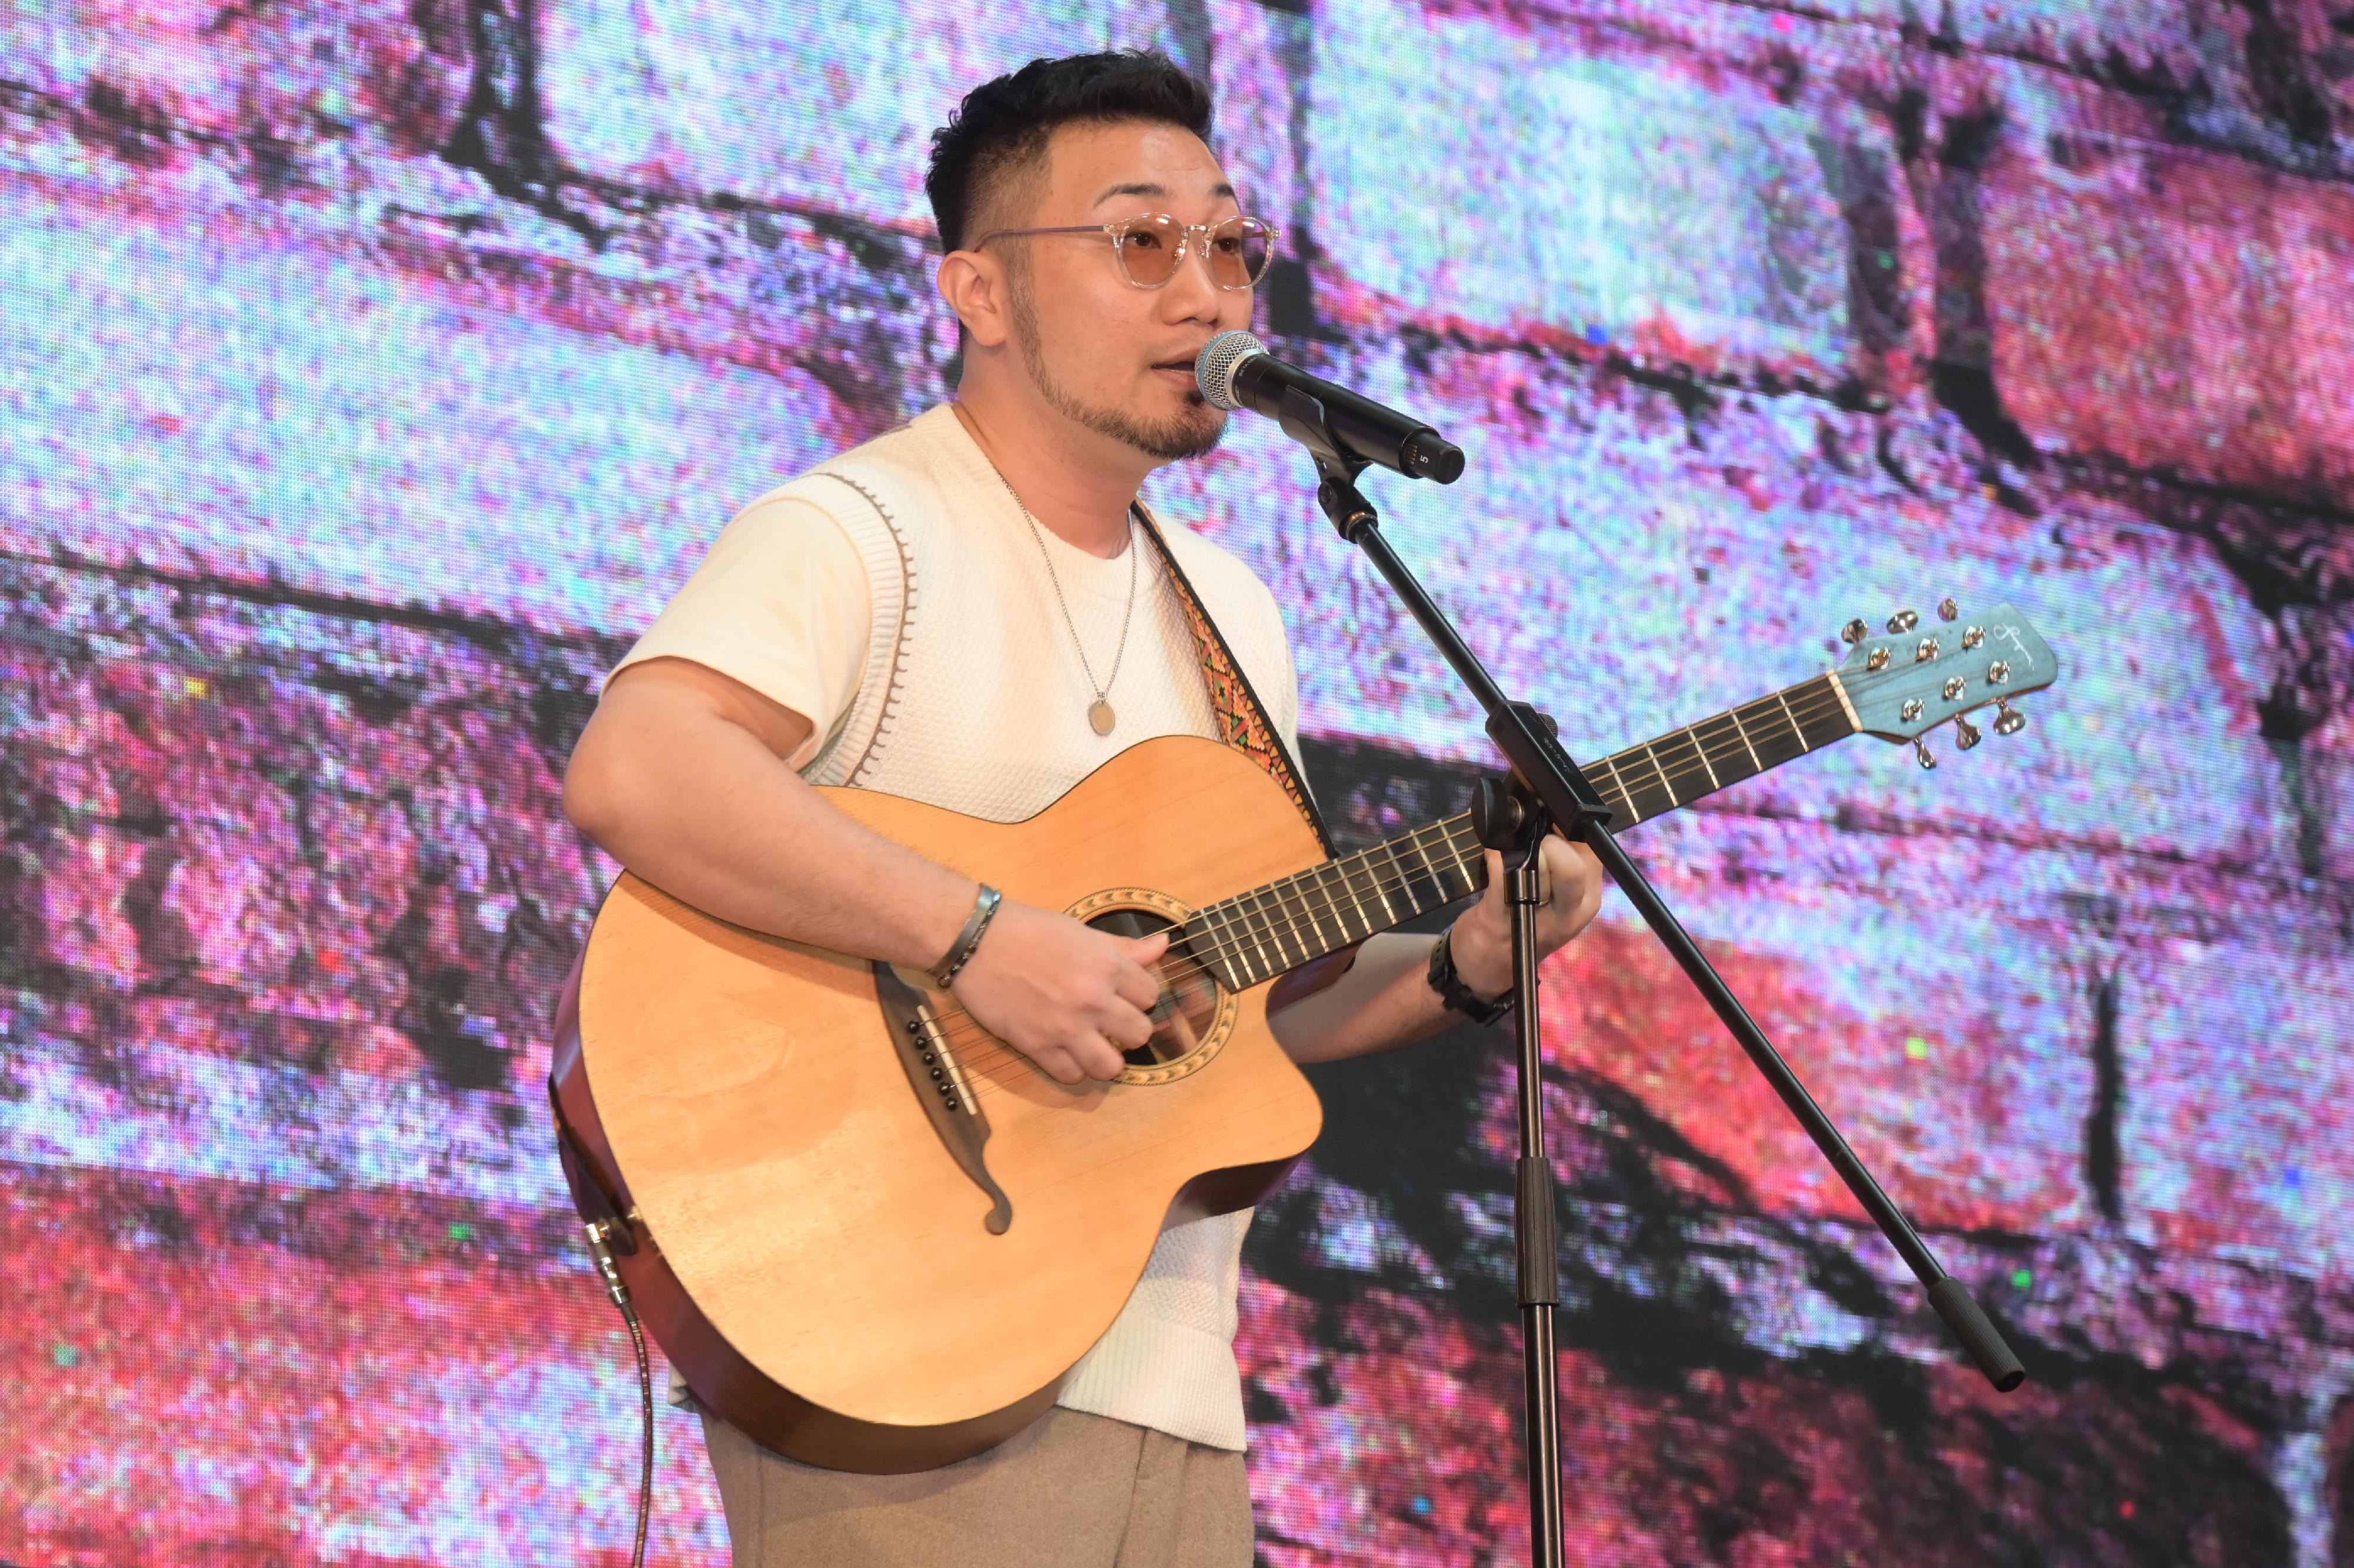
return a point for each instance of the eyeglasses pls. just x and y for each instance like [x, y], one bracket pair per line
[1152, 246]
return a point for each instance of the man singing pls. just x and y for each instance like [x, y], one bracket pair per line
[971, 611]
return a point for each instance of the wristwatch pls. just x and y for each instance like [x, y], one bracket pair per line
[1457, 996]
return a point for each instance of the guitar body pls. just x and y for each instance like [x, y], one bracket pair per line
[875, 1238]
[809, 1249]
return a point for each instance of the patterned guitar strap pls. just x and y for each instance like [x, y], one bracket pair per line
[1242, 721]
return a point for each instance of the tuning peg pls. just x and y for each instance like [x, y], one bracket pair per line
[1921, 753]
[1853, 632]
[1948, 610]
[2007, 720]
[1965, 733]
[1903, 620]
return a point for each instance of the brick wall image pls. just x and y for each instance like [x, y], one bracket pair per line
[370, 374]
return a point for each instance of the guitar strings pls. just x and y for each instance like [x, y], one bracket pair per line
[1319, 881]
[1290, 897]
[1185, 965]
[1290, 905]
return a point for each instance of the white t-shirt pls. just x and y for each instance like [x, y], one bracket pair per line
[897, 598]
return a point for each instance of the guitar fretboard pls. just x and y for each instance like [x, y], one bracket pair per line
[1258, 935]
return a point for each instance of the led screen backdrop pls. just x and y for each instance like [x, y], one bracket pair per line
[371, 371]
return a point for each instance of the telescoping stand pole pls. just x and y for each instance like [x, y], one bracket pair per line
[1546, 791]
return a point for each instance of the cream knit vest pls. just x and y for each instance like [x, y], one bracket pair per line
[973, 699]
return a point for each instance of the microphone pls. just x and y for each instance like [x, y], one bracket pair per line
[1236, 371]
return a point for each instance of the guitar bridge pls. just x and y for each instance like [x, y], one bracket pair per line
[941, 1086]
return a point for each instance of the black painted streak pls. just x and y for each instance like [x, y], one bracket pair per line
[2102, 1159]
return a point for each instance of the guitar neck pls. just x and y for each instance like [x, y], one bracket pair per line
[1258, 935]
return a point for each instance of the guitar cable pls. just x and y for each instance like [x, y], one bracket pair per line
[599, 1231]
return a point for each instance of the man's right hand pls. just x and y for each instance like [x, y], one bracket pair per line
[1067, 996]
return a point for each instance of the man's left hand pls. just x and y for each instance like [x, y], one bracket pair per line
[1482, 943]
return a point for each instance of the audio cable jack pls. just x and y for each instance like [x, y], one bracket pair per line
[600, 1233]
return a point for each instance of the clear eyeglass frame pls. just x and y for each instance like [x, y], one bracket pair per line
[1162, 226]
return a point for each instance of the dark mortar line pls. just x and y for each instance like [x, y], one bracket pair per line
[495, 637]
[2111, 482]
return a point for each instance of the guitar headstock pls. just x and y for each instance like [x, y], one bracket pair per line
[1909, 679]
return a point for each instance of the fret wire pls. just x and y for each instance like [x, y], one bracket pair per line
[1234, 938]
[1762, 713]
[1287, 897]
[1692, 733]
[1402, 881]
[1279, 921]
[1349, 880]
[1349, 885]
[1741, 730]
[1307, 893]
[1683, 769]
[1423, 850]
[1256, 929]
[1463, 864]
[1210, 922]
[1675, 797]
[1317, 896]
[1258, 922]
[1438, 884]
[1374, 884]
[1380, 890]
[1794, 728]
[1348, 888]
[1652, 756]
[1324, 908]
[1618, 788]
[1284, 896]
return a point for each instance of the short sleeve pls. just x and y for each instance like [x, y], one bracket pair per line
[780, 603]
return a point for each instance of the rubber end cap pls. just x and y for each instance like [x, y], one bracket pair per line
[1429, 455]
[1978, 1335]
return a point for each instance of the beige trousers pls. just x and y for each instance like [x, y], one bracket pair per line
[1071, 1491]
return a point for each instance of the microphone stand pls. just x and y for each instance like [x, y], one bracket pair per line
[1545, 791]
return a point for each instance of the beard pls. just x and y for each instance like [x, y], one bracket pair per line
[1184, 435]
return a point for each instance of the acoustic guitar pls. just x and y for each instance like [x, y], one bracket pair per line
[874, 1238]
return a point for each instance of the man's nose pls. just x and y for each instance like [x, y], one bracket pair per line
[1196, 296]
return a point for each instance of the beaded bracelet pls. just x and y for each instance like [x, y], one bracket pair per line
[984, 909]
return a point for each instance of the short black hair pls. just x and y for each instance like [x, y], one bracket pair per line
[1002, 125]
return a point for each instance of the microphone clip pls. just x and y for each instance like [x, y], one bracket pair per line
[1301, 414]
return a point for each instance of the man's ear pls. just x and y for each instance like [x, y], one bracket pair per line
[975, 287]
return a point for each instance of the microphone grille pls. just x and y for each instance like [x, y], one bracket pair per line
[1215, 367]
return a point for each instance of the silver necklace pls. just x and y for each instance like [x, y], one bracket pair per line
[1101, 718]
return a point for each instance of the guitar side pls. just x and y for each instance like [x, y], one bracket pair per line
[810, 1255]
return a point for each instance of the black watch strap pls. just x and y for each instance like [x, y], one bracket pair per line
[1457, 996]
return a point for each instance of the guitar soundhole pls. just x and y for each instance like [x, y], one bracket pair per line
[1189, 997]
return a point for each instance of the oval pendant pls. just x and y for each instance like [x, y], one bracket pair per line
[1100, 715]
